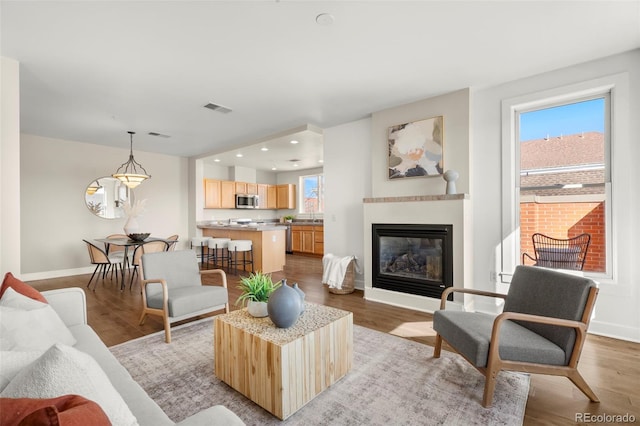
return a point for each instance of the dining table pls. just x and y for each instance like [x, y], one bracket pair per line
[126, 243]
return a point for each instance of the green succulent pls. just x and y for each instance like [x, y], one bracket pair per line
[257, 287]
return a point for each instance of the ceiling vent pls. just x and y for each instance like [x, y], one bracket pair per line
[218, 108]
[160, 135]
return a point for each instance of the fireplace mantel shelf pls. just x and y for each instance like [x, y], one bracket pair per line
[444, 197]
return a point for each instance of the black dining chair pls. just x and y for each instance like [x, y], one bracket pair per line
[171, 242]
[103, 263]
[116, 252]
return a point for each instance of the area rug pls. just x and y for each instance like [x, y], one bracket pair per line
[394, 381]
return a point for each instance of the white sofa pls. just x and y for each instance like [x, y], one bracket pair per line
[70, 305]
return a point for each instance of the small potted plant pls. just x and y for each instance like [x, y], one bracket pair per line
[289, 218]
[256, 289]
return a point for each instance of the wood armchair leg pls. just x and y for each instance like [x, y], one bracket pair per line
[489, 387]
[142, 318]
[438, 346]
[167, 328]
[581, 384]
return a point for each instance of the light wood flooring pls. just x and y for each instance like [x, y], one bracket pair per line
[610, 366]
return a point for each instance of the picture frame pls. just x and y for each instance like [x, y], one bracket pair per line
[416, 148]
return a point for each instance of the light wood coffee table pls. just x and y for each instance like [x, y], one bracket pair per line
[283, 369]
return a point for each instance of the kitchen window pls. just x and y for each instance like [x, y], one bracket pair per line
[312, 194]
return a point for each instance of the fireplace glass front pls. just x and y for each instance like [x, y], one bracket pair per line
[412, 258]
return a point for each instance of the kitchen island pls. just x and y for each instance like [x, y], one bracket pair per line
[268, 243]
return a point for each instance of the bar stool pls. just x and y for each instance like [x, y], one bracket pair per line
[201, 242]
[236, 246]
[217, 247]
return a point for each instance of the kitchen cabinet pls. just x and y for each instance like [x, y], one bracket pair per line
[241, 188]
[221, 194]
[307, 239]
[286, 196]
[227, 194]
[262, 195]
[211, 194]
[318, 241]
[272, 197]
[296, 239]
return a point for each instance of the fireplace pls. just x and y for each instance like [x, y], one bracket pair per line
[412, 258]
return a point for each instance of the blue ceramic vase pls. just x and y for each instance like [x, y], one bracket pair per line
[284, 306]
[301, 294]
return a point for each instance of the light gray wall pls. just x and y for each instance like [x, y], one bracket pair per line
[347, 171]
[454, 107]
[10, 167]
[54, 175]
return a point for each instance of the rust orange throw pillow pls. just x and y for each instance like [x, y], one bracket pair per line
[67, 410]
[20, 287]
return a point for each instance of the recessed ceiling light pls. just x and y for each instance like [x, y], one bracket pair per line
[294, 142]
[295, 165]
[274, 168]
[217, 160]
[238, 155]
[320, 161]
[325, 19]
[264, 148]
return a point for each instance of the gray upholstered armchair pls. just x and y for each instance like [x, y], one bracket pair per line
[541, 330]
[172, 288]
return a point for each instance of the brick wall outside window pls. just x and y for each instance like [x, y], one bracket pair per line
[566, 220]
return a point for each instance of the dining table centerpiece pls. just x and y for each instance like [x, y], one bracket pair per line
[132, 211]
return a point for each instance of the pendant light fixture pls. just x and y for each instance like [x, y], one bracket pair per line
[131, 172]
[93, 188]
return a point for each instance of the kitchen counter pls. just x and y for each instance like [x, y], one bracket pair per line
[268, 242]
[250, 227]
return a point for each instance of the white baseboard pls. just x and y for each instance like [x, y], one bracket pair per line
[56, 274]
[614, 331]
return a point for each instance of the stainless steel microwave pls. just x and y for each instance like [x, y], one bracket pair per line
[246, 201]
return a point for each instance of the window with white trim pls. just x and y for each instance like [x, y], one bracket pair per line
[563, 171]
[555, 182]
[312, 194]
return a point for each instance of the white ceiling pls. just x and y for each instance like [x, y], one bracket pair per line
[92, 70]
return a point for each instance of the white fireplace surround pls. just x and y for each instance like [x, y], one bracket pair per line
[435, 209]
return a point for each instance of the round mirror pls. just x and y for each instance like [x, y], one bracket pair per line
[105, 197]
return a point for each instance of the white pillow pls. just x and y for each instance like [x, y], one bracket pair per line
[13, 299]
[63, 370]
[30, 325]
[11, 362]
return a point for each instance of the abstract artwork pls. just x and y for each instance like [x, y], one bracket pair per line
[416, 148]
